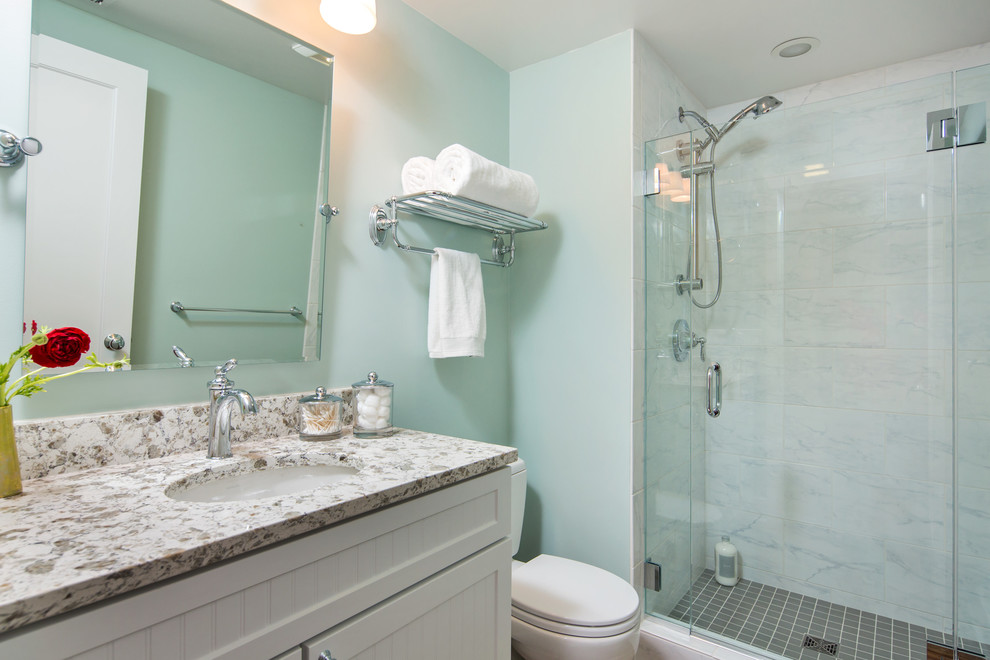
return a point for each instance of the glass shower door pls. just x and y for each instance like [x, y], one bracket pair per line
[972, 367]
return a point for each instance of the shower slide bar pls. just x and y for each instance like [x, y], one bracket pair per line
[458, 210]
[178, 307]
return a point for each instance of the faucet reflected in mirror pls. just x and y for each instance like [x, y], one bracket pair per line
[223, 398]
[184, 360]
[199, 181]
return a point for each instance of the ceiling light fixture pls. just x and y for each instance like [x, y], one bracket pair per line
[350, 16]
[795, 47]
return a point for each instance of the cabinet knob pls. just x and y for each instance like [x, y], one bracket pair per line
[326, 655]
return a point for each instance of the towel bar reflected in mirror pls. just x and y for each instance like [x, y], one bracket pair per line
[177, 307]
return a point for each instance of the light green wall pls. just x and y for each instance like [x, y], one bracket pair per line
[571, 306]
[206, 118]
[407, 88]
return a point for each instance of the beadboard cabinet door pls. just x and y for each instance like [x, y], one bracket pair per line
[460, 614]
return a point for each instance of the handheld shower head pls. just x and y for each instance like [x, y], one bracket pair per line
[760, 106]
[766, 104]
[693, 281]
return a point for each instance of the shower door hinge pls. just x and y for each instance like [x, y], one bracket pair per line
[651, 576]
[957, 127]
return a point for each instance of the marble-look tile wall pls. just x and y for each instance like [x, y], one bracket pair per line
[831, 465]
[69, 444]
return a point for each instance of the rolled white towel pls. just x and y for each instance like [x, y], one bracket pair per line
[417, 175]
[461, 171]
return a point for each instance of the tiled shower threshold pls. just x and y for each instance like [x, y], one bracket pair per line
[777, 620]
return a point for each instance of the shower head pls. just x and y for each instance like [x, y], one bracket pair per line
[766, 104]
[758, 107]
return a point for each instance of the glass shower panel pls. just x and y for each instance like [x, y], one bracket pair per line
[668, 480]
[973, 375]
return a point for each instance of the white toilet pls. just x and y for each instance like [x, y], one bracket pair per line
[563, 609]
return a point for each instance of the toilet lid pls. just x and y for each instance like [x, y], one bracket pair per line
[572, 593]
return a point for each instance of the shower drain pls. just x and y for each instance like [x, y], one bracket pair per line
[820, 645]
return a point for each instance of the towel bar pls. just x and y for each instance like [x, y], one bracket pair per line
[458, 210]
[177, 307]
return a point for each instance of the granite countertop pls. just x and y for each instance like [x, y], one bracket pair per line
[75, 539]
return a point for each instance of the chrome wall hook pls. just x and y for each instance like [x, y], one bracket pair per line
[328, 211]
[14, 149]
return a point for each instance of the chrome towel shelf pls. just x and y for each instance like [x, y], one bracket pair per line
[458, 210]
[177, 307]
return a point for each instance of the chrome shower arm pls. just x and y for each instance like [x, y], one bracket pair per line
[713, 132]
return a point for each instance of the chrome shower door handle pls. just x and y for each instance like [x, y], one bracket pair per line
[714, 389]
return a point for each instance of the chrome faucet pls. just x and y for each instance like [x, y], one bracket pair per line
[223, 397]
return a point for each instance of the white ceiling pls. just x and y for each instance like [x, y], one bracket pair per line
[721, 48]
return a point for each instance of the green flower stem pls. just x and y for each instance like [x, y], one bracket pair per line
[15, 357]
[29, 383]
[27, 375]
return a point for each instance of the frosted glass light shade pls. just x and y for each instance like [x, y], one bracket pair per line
[350, 16]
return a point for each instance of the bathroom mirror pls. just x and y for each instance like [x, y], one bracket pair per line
[183, 172]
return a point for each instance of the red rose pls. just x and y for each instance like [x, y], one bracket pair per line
[64, 348]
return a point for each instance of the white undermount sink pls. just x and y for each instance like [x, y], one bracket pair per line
[262, 483]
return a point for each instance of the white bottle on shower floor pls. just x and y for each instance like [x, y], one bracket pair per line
[726, 563]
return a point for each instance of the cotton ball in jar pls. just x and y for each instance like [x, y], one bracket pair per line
[384, 395]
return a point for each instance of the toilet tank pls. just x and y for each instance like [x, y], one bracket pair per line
[518, 502]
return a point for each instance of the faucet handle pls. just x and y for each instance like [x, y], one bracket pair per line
[220, 380]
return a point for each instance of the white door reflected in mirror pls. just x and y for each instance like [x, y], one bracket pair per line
[79, 261]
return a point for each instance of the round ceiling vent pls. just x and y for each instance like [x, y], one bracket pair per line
[795, 47]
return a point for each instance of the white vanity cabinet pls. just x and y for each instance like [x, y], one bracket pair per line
[428, 577]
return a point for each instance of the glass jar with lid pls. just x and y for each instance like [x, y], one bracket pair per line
[373, 407]
[321, 416]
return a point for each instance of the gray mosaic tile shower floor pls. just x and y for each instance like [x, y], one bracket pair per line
[777, 620]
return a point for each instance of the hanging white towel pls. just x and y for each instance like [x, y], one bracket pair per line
[417, 175]
[462, 172]
[456, 326]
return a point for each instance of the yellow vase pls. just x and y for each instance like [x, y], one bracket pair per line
[10, 467]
